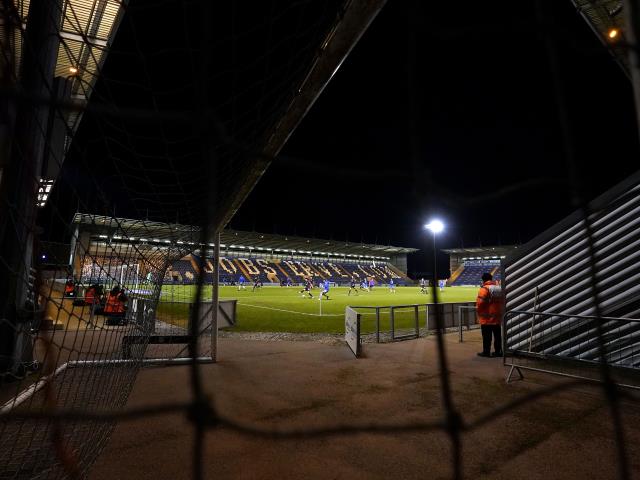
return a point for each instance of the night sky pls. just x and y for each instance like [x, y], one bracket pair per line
[464, 126]
[488, 129]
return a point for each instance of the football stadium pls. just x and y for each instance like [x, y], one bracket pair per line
[264, 275]
[182, 294]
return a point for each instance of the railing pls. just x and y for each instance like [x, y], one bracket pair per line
[467, 309]
[572, 345]
[403, 318]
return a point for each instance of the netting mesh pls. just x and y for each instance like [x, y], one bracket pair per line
[175, 127]
[70, 348]
[166, 130]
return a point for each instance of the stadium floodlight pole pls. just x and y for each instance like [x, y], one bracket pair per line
[215, 300]
[436, 226]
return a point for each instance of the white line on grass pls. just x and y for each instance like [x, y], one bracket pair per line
[293, 311]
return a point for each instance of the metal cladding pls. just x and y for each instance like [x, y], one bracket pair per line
[554, 273]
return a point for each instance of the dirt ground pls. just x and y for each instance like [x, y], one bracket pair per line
[285, 385]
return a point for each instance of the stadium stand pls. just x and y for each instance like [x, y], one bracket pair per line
[471, 271]
[269, 257]
[185, 270]
[53, 58]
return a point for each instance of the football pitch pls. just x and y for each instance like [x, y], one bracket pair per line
[285, 309]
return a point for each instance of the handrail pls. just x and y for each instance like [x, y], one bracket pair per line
[409, 305]
[620, 343]
[460, 308]
[415, 307]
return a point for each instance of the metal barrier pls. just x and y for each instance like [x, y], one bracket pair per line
[569, 345]
[352, 330]
[462, 308]
[451, 314]
[172, 324]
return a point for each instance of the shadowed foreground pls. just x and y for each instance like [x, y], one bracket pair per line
[308, 384]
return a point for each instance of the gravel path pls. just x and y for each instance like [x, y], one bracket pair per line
[325, 338]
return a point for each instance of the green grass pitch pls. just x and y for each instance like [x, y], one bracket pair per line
[284, 309]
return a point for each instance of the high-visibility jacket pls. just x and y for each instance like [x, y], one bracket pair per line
[90, 296]
[113, 305]
[490, 304]
[122, 301]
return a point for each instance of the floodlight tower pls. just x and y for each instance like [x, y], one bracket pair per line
[436, 226]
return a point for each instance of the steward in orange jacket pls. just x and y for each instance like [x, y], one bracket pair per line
[69, 288]
[490, 303]
[490, 307]
[90, 295]
[115, 305]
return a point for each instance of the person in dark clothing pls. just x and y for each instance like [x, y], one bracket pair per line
[308, 286]
[353, 286]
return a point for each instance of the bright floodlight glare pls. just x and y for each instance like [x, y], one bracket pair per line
[613, 33]
[436, 226]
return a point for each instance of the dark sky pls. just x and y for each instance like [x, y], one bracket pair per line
[487, 124]
[464, 126]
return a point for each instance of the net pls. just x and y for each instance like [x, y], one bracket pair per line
[193, 103]
[164, 112]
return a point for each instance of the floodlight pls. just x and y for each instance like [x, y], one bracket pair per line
[436, 226]
[73, 70]
[613, 33]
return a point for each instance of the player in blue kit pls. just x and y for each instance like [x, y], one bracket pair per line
[392, 286]
[241, 282]
[324, 290]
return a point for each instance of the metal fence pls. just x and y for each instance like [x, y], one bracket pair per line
[403, 322]
[466, 317]
[170, 334]
[570, 345]
[201, 409]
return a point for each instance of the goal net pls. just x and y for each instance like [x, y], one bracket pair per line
[166, 113]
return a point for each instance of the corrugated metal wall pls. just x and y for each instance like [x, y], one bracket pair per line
[557, 263]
